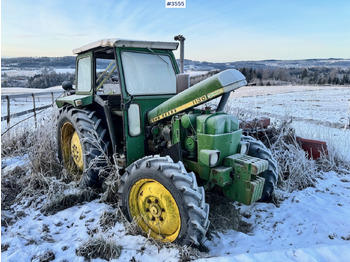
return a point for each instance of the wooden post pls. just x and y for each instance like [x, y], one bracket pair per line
[8, 110]
[347, 119]
[53, 98]
[34, 109]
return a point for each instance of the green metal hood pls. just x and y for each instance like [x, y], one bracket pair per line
[200, 93]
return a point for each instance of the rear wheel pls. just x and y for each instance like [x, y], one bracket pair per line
[82, 144]
[259, 150]
[165, 201]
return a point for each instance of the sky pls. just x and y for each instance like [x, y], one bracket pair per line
[215, 31]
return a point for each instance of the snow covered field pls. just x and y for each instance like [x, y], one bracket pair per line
[307, 225]
[317, 112]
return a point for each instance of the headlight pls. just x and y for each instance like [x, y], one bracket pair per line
[209, 157]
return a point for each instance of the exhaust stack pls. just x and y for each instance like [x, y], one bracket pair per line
[182, 39]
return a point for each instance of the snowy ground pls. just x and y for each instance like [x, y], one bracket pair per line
[308, 225]
[317, 112]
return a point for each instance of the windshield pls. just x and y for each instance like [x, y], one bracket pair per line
[148, 73]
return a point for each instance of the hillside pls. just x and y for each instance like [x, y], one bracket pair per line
[69, 62]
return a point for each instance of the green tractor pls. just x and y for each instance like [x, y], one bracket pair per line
[132, 106]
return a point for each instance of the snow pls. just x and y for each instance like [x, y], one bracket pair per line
[196, 73]
[24, 90]
[308, 225]
[313, 218]
[317, 112]
[33, 72]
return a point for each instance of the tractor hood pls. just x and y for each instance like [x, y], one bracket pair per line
[200, 93]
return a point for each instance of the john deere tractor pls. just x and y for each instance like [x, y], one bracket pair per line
[132, 106]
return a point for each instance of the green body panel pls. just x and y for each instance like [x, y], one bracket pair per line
[227, 144]
[135, 145]
[221, 175]
[217, 123]
[71, 100]
[246, 186]
[196, 95]
[237, 174]
[202, 171]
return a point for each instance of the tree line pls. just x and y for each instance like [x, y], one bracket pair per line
[255, 76]
[46, 78]
[297, 76]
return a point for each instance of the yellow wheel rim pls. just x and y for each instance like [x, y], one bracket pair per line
[76, 151]
[72, 154]
[155, 210]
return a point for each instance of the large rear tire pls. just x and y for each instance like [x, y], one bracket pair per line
[259, 150]
[82, 144]
[165, 200]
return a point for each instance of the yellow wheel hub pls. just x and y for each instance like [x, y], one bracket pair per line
[76, 151]
[71, 149]
[155, 210]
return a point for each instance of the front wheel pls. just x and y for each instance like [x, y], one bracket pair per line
[165, 201]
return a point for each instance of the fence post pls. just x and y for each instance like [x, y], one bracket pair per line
[53, 99]
[347, 119]
[8, 110]
[34, 109]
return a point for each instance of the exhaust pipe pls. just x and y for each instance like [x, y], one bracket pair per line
[182, 39]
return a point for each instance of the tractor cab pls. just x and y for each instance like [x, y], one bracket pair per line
[122, 80]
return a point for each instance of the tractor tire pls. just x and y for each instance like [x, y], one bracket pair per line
[82, 145]
[165, 201]
[259, 150]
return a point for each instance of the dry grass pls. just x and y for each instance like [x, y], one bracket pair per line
[39, 145]
[61, 200]
[108, 219]
[110, 185]
[296, 171]
[99, 247]
[41, 174]
[45, 256]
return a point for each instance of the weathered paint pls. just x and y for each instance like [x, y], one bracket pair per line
[71, 100]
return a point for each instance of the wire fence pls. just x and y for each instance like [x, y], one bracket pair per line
[19, 105]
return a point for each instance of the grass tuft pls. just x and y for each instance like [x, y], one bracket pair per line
[99, 247]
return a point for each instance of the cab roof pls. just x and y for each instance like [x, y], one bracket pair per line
[126, 43]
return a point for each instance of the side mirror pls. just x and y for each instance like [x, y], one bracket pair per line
[67, 85]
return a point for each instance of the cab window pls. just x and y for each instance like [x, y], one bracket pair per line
[148, 73]
[84, 74]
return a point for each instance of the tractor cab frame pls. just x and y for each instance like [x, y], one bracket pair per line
[113, 78]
